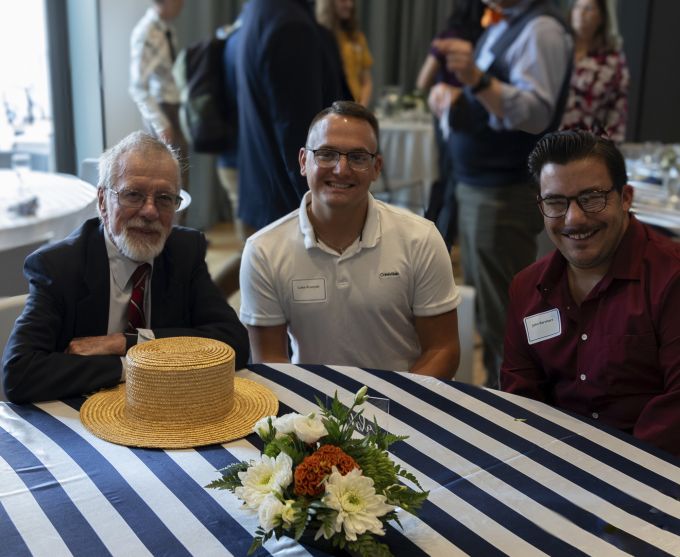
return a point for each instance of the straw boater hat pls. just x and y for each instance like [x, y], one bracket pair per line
[180, 392]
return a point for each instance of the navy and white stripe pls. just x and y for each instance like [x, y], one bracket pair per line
[507, 476]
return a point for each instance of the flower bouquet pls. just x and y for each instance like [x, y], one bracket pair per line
[317, 478]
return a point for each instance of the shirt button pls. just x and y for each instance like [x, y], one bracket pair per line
[596, 415]
[584, 336]
[583, 377]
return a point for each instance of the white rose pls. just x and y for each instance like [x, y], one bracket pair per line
[284, 424]
[310, 428]
[269, 512]
[261, 427]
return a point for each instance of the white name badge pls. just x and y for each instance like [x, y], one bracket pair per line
[309, 290]
[543, 326]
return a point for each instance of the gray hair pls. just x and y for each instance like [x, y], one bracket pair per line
[112, 163]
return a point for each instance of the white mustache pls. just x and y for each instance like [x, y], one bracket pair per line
[138, 222]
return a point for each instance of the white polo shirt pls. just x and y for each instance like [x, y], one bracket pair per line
[356, 308]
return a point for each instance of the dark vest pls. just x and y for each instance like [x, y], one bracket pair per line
[487, 157]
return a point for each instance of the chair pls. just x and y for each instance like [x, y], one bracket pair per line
[12, 281]
[10, 309]
[466, 334]
[89, 171]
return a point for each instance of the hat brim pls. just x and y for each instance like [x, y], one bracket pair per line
[104, 415]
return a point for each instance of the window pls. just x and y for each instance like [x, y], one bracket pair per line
[25, 113]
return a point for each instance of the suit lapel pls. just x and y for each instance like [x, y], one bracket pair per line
[165, 291]
[92, 304]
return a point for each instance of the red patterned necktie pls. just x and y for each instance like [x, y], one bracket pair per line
[136, 318]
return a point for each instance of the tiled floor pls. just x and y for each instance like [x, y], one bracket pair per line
[223, 249]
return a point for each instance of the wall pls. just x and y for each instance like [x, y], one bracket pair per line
[116, 21]
[104, 110]
[86, 91]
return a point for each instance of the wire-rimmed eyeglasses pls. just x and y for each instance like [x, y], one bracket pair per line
[133, 199]
[328, 158]
[556, 206]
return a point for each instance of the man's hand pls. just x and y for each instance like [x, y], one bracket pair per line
[441, 97]
[460, 59]
[108, 345]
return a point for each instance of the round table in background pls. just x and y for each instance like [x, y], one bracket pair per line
[64, 202]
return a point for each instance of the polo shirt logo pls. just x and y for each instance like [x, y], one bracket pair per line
[389, 274]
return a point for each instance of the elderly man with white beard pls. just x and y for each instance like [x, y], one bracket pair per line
[127, 277]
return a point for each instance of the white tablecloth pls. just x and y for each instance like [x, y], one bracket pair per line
[410, 161]
[64, 202]
[651, 205]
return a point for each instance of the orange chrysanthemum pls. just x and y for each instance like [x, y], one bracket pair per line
[314, 468]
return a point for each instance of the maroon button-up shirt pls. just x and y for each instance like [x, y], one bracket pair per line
[617, 356]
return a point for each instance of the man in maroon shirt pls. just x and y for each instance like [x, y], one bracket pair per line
[594, 326]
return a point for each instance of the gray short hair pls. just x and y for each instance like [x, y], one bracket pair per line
[112, 166]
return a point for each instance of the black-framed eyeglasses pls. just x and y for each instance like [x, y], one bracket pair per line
[328, 158]
[556, 206]
[133, 199]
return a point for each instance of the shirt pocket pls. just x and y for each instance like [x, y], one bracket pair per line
[630, 364]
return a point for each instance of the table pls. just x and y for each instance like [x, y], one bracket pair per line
[409, 150]
[651, 205]
[64, 202]
[506, 475]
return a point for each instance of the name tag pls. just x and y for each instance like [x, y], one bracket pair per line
[309, 290]
[543, 326]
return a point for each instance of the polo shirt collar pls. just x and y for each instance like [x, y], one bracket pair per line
[370, 235]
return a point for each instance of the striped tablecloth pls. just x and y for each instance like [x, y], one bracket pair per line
[506, 475]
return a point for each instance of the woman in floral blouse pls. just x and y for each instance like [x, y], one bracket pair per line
[598, 96]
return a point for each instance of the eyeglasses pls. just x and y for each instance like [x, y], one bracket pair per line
[328, 158]
[133, 199]
[556, 206]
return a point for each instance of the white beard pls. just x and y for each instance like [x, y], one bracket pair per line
[135, 248]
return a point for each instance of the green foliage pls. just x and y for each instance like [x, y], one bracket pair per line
[288, 444]
[229, 479]
[369, 451]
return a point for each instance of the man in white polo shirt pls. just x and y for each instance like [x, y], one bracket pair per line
[351, 280]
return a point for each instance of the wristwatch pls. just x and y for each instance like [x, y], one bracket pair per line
[130, 340]
[483, 83]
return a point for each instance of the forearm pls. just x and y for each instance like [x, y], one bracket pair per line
[38, 376]
[269, 344]
[442, 363]
[492, 98]
[366, 88]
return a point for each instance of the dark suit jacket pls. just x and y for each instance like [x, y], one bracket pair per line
[288, 68]
[69, 297]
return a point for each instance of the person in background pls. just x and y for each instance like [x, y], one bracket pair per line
[127, 277]
[516, 82]
[598, 95]
[463, 23]
[593, 327]
[153, 48]
[287, 68]
[339, 16]
[227, 161]
[352, 280]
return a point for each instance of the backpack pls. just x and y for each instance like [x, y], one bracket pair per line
[199, 75]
